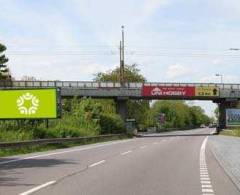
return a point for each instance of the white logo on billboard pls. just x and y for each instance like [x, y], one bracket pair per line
[33, 101]
[156, 91]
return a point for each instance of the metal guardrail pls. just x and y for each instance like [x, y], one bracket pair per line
[6, 145]
[96, 85]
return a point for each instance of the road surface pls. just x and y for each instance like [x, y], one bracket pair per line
[178, 163]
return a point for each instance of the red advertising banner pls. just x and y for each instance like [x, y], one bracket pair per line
[155, 91]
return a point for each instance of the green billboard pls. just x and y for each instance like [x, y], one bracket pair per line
[28, 103]
[233, 117]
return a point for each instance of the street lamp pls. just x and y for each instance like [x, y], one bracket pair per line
[221, 76]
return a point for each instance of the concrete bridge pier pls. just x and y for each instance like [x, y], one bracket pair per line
[222, 116]
[121, 105]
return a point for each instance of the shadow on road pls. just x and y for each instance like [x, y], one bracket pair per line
[10, 173]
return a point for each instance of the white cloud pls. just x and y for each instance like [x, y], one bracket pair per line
[216, 61]
[217, 79]
[208, 106]
[176, 71]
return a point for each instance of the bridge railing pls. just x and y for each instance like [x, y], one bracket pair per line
[92, 85]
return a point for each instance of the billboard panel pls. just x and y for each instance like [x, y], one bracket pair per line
[28, 103]
[158, 91]
[233, 117]
[207, 91]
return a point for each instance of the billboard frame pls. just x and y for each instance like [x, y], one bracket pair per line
[58, 103]
[231, 125]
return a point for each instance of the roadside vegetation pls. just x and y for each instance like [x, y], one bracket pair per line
[231, 132]
[177, 115]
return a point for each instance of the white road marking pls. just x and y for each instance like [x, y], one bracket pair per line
[97, 163]
[143, 147]
[206, 182]
[38, 188]
[207, 194]
[207, 190]
[124, 153]
[155, 142]
[206, 186]
[204, 176]
[63, 152]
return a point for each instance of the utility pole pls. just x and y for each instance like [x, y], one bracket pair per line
[122, 80]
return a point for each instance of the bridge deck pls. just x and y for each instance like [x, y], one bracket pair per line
[89, 84]
[114, 89]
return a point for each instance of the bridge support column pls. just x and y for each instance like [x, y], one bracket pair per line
[121, 105]
[222, 116]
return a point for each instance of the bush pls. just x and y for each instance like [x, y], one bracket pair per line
[111, 124]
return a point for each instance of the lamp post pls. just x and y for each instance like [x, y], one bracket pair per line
[221, 76]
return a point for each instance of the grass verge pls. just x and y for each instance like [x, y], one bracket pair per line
[40, 148]
[231, 132]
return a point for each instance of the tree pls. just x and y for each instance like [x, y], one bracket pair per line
[4, 70]
[131, 74]
[137, 109]
[178, 114]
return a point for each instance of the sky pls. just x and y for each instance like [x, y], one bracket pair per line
[170, 40]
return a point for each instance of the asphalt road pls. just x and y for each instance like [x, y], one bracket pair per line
[179, 163]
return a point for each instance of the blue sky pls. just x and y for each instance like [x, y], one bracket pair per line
[171, 40]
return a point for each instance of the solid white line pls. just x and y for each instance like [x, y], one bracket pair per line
[38, 188]
[155, 142]
[63, 152]
[97, 163]
[124, 153]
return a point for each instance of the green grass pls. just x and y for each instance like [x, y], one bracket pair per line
[231, 132]
[41, 148]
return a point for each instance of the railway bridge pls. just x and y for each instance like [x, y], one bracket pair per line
[224, 94]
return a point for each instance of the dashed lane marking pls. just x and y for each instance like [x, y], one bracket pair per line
[97, 163]
[143, 147]
[204, 176]
[124, 153]
[38, 188]
[65, 151]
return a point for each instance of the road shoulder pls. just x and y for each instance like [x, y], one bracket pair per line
[226, 151]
